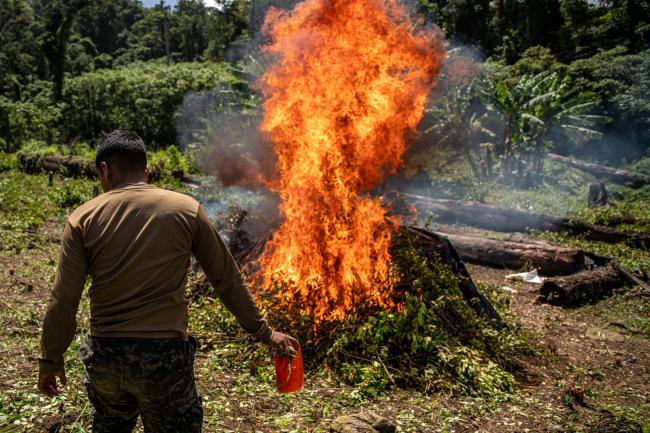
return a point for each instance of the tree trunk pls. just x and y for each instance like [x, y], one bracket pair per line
[613, 174]
[550, 260]
[582, 287]
[511, 220]
[60, 17]
[472, 163]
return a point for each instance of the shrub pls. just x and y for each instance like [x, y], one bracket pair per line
[166, 163]
[26, 120]
[71, 194]
[7, 161]
[142, 97]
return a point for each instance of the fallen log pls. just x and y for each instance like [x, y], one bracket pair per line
[583, 287]
[550, 260]
[512, 220]
[619, 220]
[615, 175]
[486, 216]
[68, 166]
[72, 166]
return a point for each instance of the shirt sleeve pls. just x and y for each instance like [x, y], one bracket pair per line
[60, 322]
[224, 275]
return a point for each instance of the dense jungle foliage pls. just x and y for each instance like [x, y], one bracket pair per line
[569, 75]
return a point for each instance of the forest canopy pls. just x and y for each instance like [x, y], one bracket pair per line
[71, 70]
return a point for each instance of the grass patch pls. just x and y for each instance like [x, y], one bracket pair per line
[26, 202]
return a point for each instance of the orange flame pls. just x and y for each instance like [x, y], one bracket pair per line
[351, 78]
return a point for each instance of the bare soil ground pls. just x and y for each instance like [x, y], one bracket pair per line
[588, 370]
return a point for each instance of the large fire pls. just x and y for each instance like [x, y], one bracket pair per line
[350, 81]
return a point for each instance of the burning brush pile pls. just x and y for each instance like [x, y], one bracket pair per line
[382, 303]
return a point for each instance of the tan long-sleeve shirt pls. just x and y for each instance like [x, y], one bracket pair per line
[135, 242]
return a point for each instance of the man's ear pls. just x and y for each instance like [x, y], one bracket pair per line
[104, 170]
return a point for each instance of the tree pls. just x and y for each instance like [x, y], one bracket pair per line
[58, 17]
[457, 123]
[622, 81]
[149, 38]
[225, 26]
[466, 20]
[627, 22]
[20, 47]
[520, 24]
[107, 24]
[528, 112]
[188, 29]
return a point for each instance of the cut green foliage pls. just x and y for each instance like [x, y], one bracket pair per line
[432, 341]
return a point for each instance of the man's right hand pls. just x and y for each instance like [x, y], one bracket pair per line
[47, 383]
[283, 344]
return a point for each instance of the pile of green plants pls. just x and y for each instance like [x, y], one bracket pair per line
[433, 341]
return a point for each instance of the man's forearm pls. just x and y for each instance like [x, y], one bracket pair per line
[222, 272]
[60, 323]
[59, 327]
[240, 303]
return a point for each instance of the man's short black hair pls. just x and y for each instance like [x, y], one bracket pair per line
[125, 149]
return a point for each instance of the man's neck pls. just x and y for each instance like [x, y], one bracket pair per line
[128, 180]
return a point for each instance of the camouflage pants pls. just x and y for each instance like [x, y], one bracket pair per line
[149, 377]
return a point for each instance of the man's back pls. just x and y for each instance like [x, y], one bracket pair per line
[137, 241]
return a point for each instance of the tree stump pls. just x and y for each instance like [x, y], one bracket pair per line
[597, 194]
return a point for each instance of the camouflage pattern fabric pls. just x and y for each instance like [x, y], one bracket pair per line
[149, 377]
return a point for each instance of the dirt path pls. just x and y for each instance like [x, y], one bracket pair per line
[591, 371]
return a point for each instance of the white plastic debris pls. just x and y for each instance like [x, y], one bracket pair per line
[527, 277]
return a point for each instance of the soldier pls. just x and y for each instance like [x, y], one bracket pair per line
[135, 242]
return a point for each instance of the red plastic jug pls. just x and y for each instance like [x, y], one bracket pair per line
[289, 375]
